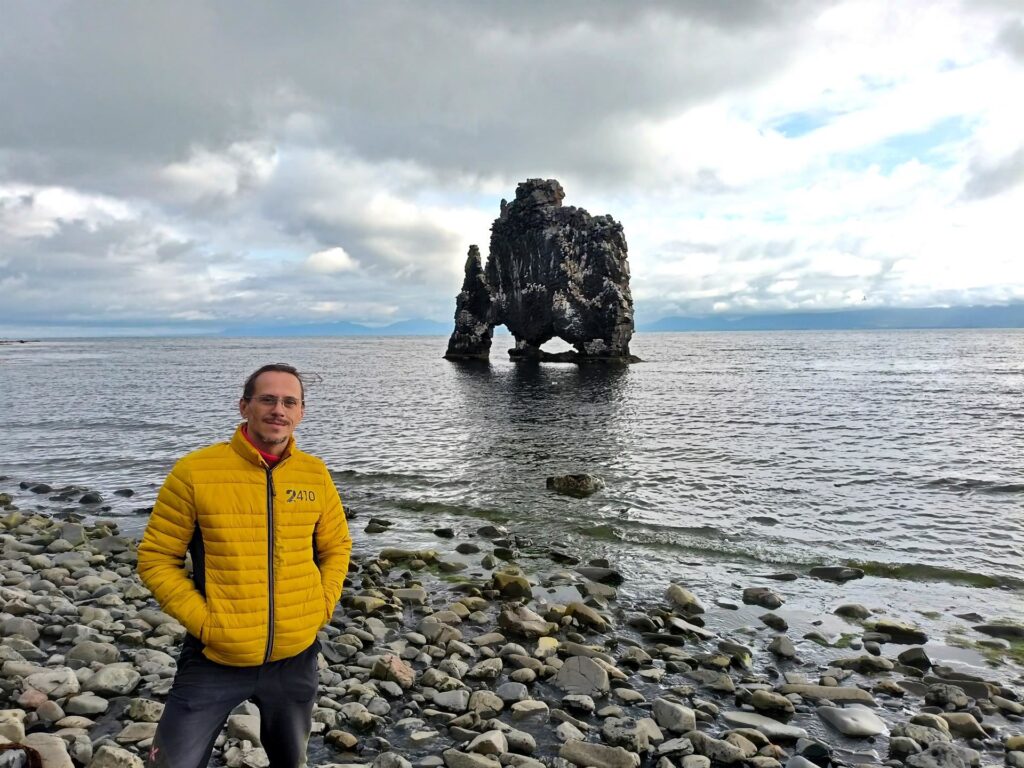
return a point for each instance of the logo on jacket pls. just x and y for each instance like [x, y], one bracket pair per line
[291, 494]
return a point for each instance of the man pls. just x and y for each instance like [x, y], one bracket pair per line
[270, 549]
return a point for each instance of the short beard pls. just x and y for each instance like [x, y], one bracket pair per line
[268, 441]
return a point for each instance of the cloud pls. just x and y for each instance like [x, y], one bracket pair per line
[330, 261]
[463, 88]
[196, 165]
[206, 176]
[28, 212]
[1011, 38]
[986, 179]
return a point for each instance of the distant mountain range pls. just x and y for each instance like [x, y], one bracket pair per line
[418, 327]
[1010, 316]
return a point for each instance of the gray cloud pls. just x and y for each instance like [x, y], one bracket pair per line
[179, 162]
[465, 87]
[1011, 38]
[989, 179]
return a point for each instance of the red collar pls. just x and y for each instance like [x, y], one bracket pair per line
[270, 458]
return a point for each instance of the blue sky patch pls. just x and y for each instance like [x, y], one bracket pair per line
[799, 124]
[930, 147]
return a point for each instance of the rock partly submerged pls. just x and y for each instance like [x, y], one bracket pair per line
[578, 485]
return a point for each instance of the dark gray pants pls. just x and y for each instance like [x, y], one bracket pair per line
[205, 692]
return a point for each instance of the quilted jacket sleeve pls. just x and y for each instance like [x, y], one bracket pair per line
[333, 545]
[162, 552]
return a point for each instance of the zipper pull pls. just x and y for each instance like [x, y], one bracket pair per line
[270, 482]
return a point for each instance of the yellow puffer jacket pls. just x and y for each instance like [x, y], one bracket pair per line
[257, 592]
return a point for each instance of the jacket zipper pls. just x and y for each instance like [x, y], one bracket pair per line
[270, 563]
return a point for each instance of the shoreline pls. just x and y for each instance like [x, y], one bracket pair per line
[456, 649]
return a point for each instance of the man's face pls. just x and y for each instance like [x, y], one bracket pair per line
[274, 411]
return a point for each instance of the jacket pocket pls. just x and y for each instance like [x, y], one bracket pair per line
[204, 630]
[204, 624]
[328, 609]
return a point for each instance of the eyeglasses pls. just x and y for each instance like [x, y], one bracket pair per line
[270, 401]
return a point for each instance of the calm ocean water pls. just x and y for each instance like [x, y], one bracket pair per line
[725, 455]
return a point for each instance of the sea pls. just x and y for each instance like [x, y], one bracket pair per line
[728, 458]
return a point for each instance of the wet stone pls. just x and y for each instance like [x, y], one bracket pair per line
[900, 632]
[763, 597]
[625, 733]
[782, 647]
[582, 675]
[586, 754]
[683, 599]
[456, 701]
[511, 585]
[770, 727]
[485, 703]
[855, 721]
[489, 743]
[774, 621]
[512, 692]
[964, 725]
[769, 701]
[568, 732]
[939, 755]
[921, 734]
[717, 750]
[947, 696]
[453, 758]
[833, 693]
[673, 716]
[412, 595]
[1004, 631]
[973, 688]
[836, 573]
[716, 681]
[530, 710]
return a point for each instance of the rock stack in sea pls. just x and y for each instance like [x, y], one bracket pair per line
[552, 271]
[466, 660]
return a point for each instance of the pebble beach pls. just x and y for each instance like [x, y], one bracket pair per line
[466, 655]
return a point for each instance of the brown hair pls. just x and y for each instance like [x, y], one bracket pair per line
[250, 383]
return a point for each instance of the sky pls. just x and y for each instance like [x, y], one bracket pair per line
[191, 166]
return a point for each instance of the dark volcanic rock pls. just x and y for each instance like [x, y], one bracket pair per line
[553, 271]
[837, 573]
[473, 324]
[1005, 631]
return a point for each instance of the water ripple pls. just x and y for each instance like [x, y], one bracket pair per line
[897, 450]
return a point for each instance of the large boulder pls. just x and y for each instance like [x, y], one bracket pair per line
[583, 675]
